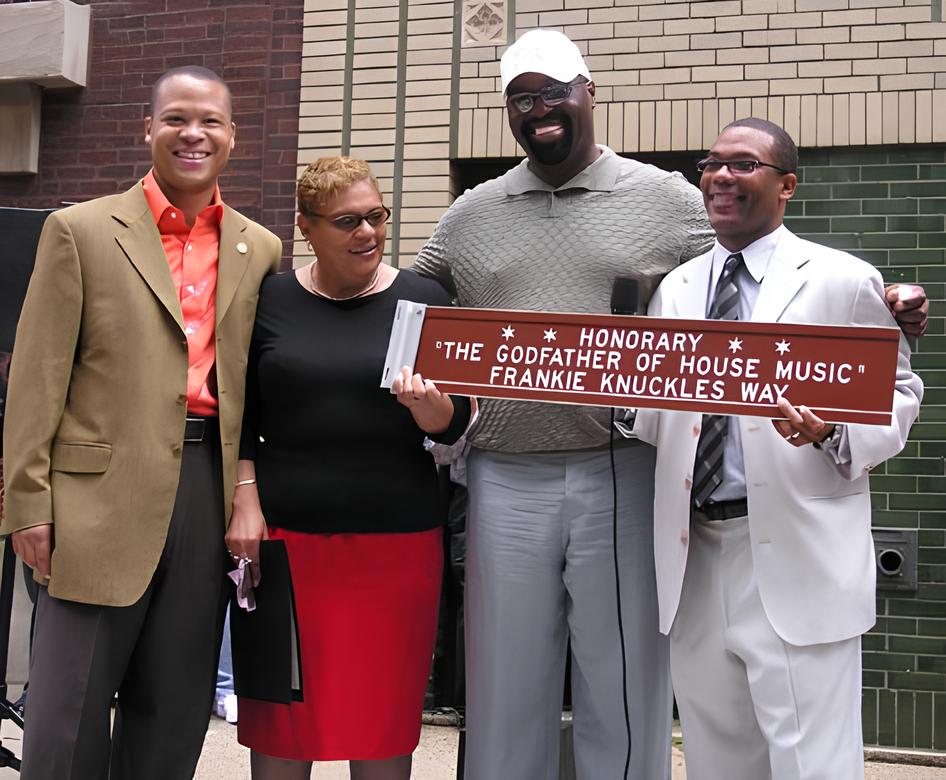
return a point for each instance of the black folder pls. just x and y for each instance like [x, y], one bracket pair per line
[265, 642]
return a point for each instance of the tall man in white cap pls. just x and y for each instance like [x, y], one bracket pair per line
[552, 234]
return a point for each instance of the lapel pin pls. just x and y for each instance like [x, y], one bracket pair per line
[241, 248]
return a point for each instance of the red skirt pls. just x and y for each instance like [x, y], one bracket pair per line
[367, 614]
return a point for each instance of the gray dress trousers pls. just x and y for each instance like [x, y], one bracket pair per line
[540, 570]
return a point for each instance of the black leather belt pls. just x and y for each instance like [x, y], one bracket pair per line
[724, 510]
[199, 428]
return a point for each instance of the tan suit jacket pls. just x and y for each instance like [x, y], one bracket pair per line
[96, 402]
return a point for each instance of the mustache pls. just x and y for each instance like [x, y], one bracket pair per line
[552, 116]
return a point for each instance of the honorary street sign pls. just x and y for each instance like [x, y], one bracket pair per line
[843, 374]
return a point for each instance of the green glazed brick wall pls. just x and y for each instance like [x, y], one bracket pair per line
[887, 206]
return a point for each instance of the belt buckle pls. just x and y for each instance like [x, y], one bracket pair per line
[718, 511]
[711, 511]
[194, 428]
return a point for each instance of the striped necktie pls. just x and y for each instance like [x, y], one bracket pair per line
[707, 472]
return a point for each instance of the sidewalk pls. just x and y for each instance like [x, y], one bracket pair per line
[435, 759]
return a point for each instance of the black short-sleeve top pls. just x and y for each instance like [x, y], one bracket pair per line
[335, 452]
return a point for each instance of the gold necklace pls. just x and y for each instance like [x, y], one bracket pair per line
[368, 289]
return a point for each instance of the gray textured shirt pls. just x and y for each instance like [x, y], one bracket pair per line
[516, 242]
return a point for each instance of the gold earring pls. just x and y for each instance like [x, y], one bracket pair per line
[308, 245]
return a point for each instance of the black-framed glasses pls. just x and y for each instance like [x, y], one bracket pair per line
[349, 223]
[736, 167]
[551, 95]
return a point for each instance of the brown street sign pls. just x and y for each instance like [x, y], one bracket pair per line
[843, 374]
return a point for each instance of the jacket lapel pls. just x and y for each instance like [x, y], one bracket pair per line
[140, 240]
[689, 300]
[234, 258]
[787, 272]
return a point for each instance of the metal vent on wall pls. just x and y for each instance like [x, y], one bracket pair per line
[895, 551]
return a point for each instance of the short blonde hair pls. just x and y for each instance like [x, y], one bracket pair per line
[325, 178]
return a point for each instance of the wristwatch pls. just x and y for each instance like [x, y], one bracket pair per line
[832, 441]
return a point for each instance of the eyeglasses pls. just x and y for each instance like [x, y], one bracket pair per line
[736, 167]
[551, 95]
[349, 223]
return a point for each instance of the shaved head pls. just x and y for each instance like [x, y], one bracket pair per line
[194, 72]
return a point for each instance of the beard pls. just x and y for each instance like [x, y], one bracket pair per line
[546, 153]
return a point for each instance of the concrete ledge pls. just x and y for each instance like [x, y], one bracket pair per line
[19, 127]
[442, 716]
[447, 716]
[45, 43]
[910, 757]
[42, 44]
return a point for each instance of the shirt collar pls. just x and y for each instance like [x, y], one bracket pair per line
[756, 256]
[599, 176]
[167, 217]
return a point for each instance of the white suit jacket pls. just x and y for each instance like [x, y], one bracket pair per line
[809, 518]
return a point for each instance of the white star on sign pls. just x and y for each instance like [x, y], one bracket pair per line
[735, 345]
[508, 332]
[783, 346]
[550, 335]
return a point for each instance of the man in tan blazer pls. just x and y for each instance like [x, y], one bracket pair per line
[123, 419]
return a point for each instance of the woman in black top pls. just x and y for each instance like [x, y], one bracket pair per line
[335, 466]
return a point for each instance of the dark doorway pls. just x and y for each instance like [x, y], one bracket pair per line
[466, 174]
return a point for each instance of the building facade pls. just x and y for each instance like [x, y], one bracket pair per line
[413, 87]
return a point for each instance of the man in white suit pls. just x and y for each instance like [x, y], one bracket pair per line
[764, 557]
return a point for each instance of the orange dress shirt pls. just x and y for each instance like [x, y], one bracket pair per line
[192, 254]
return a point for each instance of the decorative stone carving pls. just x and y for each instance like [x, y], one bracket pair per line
[484, 22]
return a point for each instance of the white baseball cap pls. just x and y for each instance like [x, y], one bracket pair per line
[548, 52]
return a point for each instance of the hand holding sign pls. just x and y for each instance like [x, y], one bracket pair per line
[910, 307]
[431, 409]
[801, 426]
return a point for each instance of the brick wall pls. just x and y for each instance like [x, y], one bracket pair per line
[397, 82]
[376, 84]
[669, 74]
[92, 140]
[887, 206]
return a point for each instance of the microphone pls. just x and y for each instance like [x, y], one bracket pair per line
[625, 296]
[626, 300]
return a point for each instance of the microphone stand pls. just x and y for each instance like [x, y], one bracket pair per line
[7, 709]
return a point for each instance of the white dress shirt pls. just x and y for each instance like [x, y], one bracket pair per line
[748, 279]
